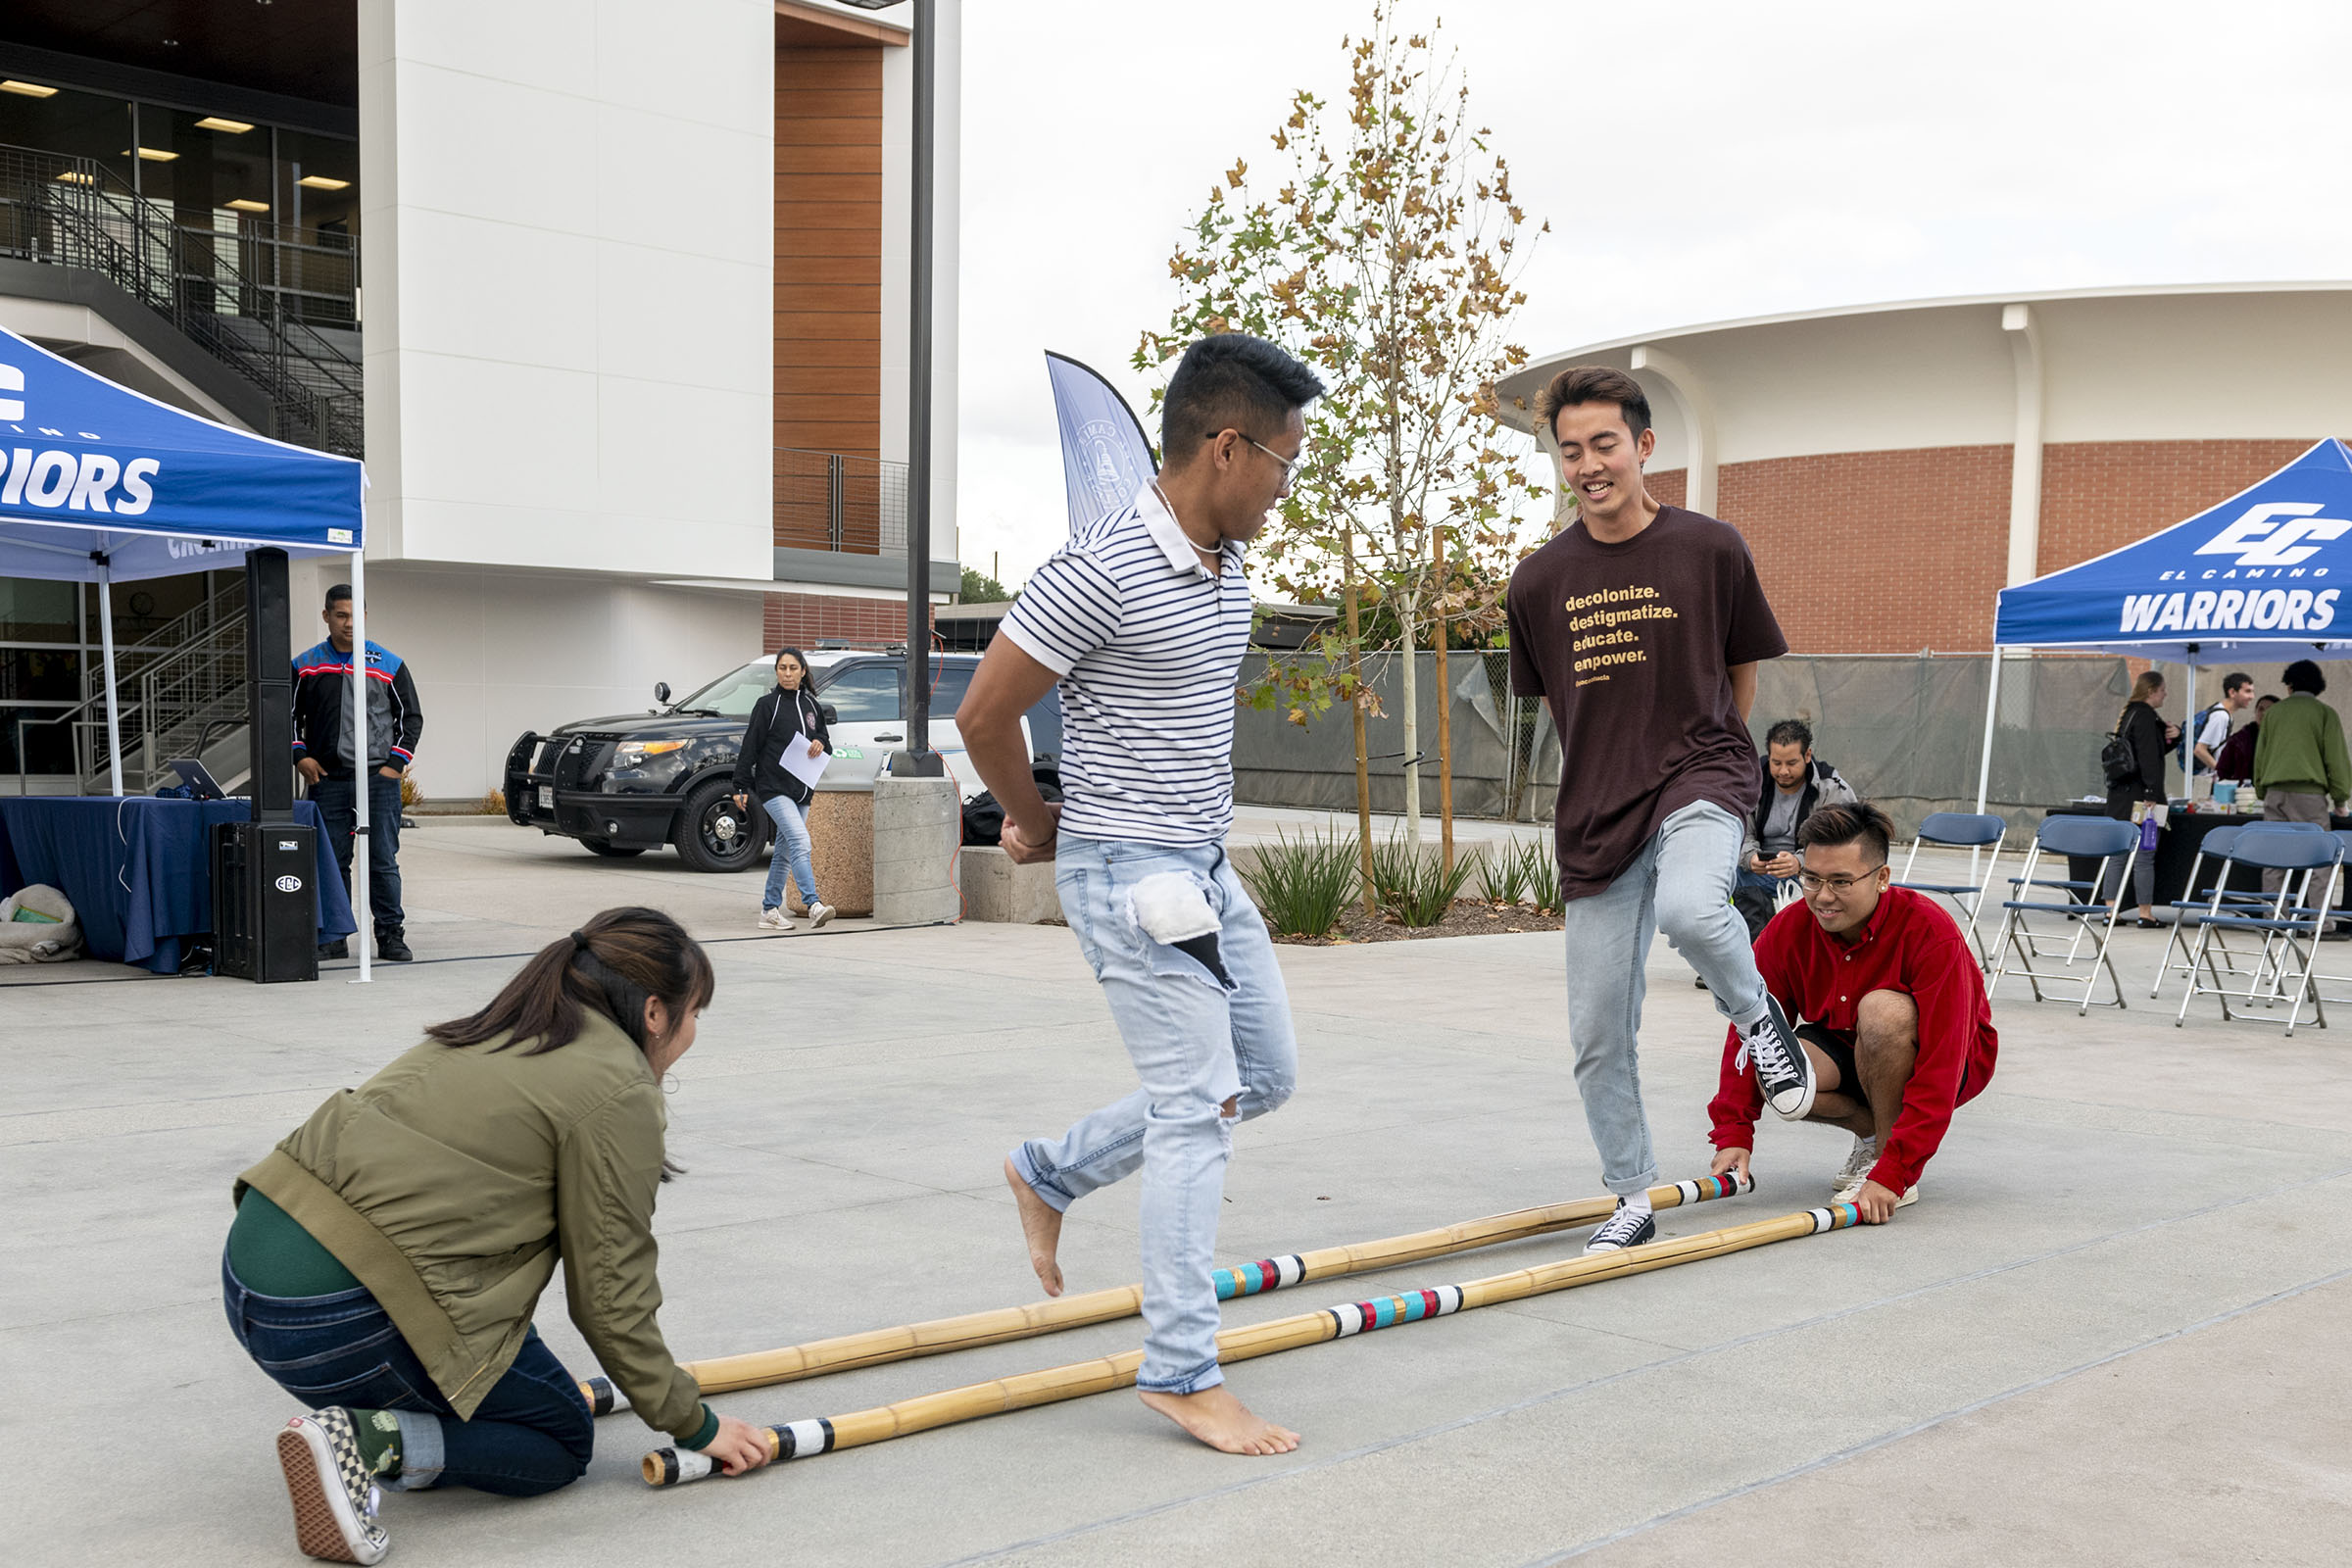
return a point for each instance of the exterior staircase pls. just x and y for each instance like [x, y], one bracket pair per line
[215, 286]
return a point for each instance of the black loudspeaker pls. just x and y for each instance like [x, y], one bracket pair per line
[265, 901]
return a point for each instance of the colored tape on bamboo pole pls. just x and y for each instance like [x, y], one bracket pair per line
[1002, 1325]
[799, 1439]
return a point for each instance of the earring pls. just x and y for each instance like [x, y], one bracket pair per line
[670, 1082]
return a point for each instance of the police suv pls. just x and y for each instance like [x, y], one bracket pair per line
[635, 782]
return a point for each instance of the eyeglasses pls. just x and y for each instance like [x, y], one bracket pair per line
[1837, 884]
[1285, 464]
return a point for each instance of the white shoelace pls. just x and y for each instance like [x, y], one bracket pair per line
[1619, 1228]
[1770, 1056]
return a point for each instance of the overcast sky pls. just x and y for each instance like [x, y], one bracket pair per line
[1724, 161]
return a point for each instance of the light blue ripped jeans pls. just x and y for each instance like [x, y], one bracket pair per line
[792, 850]
[1681, 884]
[1197, 1041]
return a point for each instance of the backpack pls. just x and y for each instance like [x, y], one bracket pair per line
[2117, 760]
[2196, 727]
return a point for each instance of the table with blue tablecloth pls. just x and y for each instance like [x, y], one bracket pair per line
[138, 868]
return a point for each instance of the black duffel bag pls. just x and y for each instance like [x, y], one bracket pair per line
[984, 819]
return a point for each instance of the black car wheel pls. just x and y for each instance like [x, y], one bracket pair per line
[607, 847]
[715, 834]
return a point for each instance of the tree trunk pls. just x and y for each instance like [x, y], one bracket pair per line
[1355, 714]
[1408, 620]
[1445, 717]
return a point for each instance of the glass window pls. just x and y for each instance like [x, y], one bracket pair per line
[40, 674]
[948, 683]
[34, 611]
[48, 748]
[76, 124]
[864, 694]
[735, 694]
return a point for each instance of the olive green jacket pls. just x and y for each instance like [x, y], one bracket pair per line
[452, 1181]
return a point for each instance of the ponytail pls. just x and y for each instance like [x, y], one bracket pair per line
[611, 965]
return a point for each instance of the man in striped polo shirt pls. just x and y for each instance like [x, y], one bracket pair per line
[1143, 617]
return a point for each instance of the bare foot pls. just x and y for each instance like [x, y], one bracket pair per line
[1215, 1417]
[1041, 1227]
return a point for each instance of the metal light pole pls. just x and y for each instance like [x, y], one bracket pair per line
[918, 760]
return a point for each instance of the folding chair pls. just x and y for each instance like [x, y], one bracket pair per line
[2289, 928]
[2099, 838]
[1960, 830]
[2195, 898]
[2344, 841]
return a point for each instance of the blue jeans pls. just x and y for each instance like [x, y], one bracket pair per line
[1681, 884]
[337, 800]
[532, 1433]
[792, 849]
[1197, 1041]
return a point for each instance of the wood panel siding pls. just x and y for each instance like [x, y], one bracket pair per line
[829, 289]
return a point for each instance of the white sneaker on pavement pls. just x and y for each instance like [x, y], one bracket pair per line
[819, 914]
[1848, 1195]
[775, 920]
[1857, 1166]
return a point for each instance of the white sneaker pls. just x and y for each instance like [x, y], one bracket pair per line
[1858, 1166]
[775, 920]
[819, 914]
[1848, 1195]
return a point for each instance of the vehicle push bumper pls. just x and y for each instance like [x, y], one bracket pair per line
[543, 787]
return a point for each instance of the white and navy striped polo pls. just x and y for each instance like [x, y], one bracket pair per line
[1147, 641]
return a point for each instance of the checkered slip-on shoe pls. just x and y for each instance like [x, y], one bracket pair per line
[334, 1496]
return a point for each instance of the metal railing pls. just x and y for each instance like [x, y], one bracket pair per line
[225, 293]
[826, 500]
[177, 685]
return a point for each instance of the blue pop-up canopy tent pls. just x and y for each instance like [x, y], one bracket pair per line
[2263, 577]
[102, 484]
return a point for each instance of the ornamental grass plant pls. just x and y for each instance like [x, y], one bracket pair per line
[1302, 884]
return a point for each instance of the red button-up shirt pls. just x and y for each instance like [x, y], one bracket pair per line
[1908, 944]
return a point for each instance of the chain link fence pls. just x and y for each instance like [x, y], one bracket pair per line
[1905, 731]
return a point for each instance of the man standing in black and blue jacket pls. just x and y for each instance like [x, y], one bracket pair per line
[322, 753]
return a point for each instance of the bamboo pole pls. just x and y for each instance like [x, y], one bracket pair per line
[877, 1347]
[672, 1466]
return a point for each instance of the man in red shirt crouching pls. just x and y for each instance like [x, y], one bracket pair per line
[1897, 1020]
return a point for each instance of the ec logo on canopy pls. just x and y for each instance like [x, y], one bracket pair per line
[2259, 539]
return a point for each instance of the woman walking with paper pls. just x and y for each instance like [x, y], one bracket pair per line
[785, 749]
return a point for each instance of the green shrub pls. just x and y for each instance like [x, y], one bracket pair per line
[1303, 884]
[1502, 876]
[1413, 885]
[1541, 874]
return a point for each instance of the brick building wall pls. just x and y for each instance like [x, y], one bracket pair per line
[2098, 495]
[803, 621]
[1892, 551]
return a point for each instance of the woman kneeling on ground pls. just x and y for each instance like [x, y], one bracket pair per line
[386, 1258]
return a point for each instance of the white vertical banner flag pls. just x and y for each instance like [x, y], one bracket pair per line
[1104, 458]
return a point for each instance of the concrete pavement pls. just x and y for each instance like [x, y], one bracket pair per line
[2110, 1331]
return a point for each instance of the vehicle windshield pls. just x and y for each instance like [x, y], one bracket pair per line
[735, 694]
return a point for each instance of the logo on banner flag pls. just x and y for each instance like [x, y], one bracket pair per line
[1104, 458]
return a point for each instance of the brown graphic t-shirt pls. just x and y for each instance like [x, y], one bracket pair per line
[1633, 645]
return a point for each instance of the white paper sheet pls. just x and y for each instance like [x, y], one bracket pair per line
[800, 765]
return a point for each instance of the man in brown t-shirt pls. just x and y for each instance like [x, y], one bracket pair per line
[1640, 626]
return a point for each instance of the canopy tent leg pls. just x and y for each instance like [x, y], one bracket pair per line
[1993, 697]
[2189, 739]
[106, 643]
[360, 767]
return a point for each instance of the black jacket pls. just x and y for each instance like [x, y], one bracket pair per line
[322, 686]
[2144, 727]
[778, 717]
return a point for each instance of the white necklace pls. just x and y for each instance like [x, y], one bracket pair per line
[1211, 554]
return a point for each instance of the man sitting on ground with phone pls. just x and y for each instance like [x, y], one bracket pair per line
[1897, 1019]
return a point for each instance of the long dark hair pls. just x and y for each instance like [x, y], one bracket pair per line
[612, 965]
[804, 695]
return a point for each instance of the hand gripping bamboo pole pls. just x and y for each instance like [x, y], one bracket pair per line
[876, 1347]
[799, 1440]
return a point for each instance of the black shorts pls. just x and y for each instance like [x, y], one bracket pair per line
[1839, 1045]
